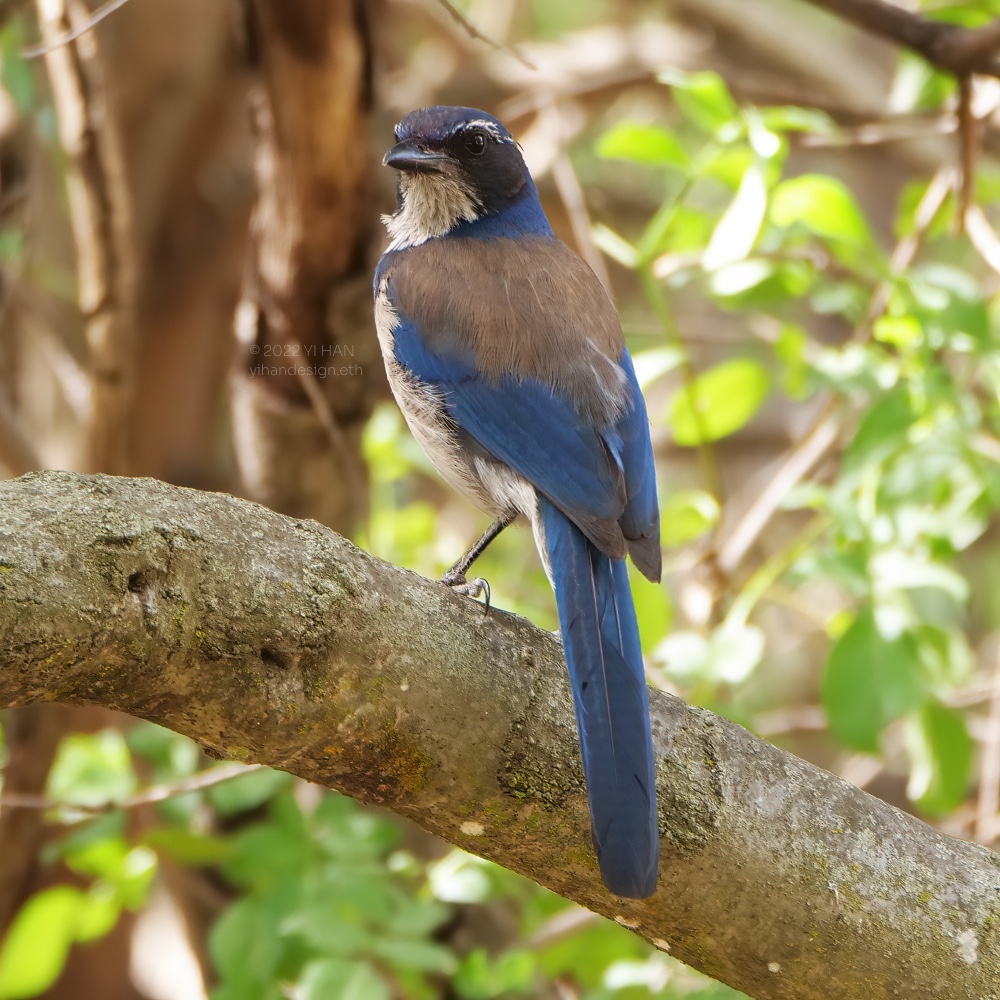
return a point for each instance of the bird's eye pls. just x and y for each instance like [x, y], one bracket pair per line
[475, 142]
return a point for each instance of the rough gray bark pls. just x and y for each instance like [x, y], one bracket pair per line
[274, 640]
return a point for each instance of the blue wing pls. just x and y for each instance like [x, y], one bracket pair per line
[641, 519]
[524, 424]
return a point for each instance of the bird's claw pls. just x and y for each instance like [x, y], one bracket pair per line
[469, 588]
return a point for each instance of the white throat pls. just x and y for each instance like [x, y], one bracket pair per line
[432, 205]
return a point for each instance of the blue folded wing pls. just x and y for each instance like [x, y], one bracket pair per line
[641, 519]
[530, 428]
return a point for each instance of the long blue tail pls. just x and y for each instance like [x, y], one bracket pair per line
[601, 640]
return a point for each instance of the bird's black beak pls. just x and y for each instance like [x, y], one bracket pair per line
[405, 156]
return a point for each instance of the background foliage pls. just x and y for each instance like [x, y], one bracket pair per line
[809, 288]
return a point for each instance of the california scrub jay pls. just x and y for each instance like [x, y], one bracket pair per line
[506, 356]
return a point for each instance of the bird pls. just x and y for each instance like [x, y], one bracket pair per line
[507, 359]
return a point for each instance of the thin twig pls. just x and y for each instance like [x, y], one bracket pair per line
[157, 793]
[811, 448]
[901, 128]
[968, 132]
[71, 36]
[982, 236]
[906, 250]
[473, 32]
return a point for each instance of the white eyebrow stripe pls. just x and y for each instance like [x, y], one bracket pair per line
[490, 127]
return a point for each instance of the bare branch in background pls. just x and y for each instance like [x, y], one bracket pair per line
[105, 10]
[149, 796]
[101, 216]
[473, 32]
[951, 47]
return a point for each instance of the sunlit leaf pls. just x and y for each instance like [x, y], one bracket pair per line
[424, 955]
[616, 247]
[737, 230]
[703, 97]
[39, 939]
[459, 878]
[481, 977]
[92, 769]
[342, 978]
[653, 363]
[650, 144]
[903, 332]
[824, 206]
[735, 652]
[653, 609]
[870, 681]
[188, 847]
[719, 401]
[99, 913]
[790, 118]
[941, 758]
[882, 430]
[686, 515]
[790, 349]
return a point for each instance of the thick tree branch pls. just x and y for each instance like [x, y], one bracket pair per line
[274, 640]
[950, 47]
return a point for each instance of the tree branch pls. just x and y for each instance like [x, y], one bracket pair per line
[950, 47]
[276, 641]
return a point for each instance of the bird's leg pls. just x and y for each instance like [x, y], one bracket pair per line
[455, 577]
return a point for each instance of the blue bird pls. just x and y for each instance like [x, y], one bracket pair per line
[507, 359]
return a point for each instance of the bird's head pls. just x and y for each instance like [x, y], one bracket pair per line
[455, 165]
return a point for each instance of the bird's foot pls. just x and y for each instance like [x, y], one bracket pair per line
[469, 588]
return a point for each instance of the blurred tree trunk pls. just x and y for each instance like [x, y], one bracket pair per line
[308, 367]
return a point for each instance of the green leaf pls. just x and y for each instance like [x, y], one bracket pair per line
[616, 247]
[882, 431]
[243, 944]
[653, 363]
[99, 913]
[652, 609]
[941, 751]
[903, 332]
[822, 205]
[790, 350]
[38, 942]
[894, 569]
[869, 681]
[426, 956]
[794, 119]
[703, 98]
[459, 878]
[918, 86]
[341, 979]
[188, 847]
[737, 230]
[649, 144]
[92, 769]
[719, 401]
[481, 977]
[686, 515]
[17, 73]
[248, 791]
